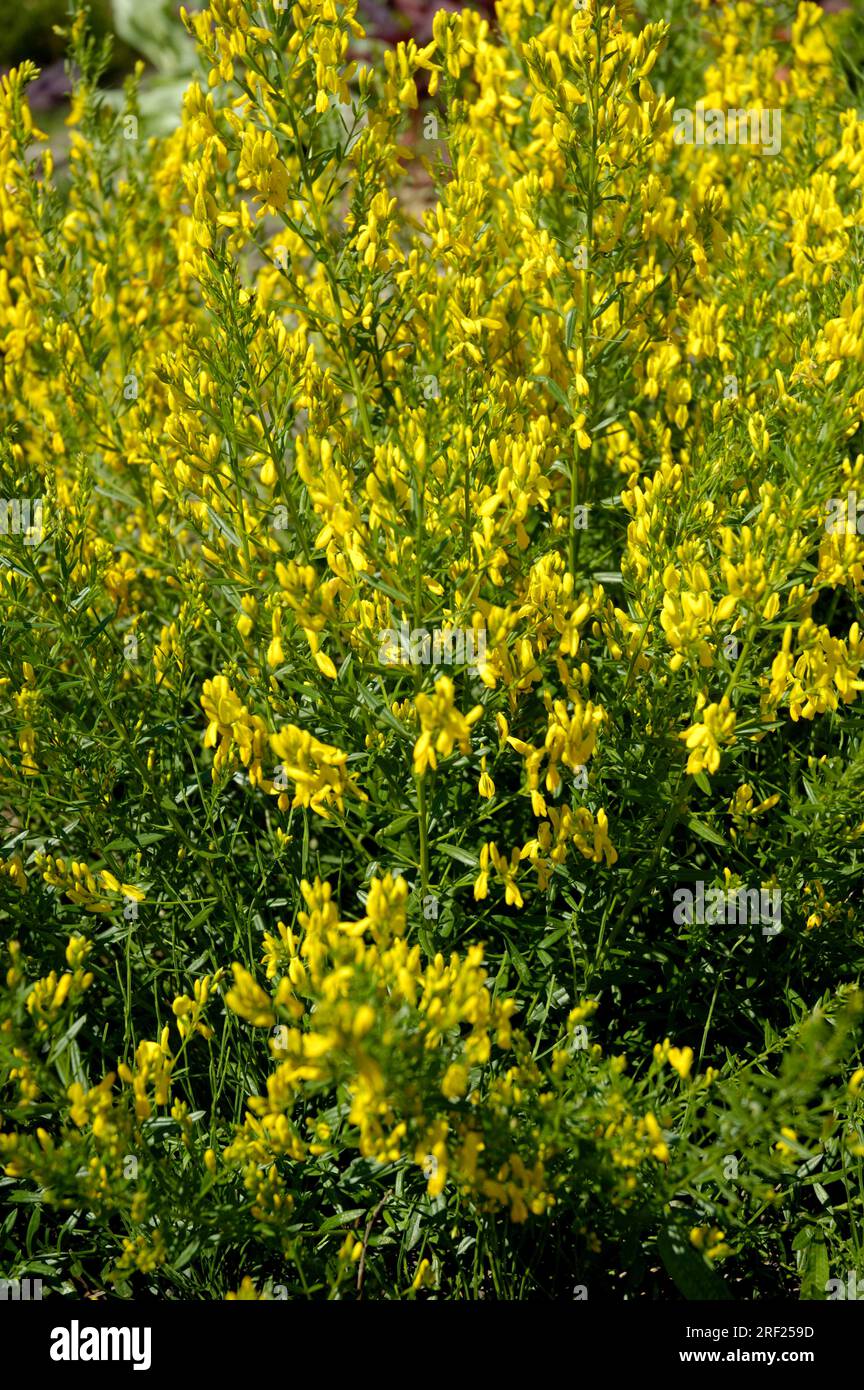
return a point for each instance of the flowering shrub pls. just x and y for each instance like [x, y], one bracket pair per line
[339, 966]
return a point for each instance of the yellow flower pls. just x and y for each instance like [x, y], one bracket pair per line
[232, 727]
[455, 1082]
[486, 787]
[709, 1240]
[249, 1000]
[153, 1066]
[261, 169]
[443, 727]
[424, 1277]
[505, 871]
[681, 1059]
[247, 1293]
[317, 770]
[385, 907]
[784, 1145]
[659, 1147]
[704, 740]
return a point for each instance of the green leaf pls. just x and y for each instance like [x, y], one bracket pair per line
[32, 1228]
[555, 391]
[401, 823]
[63, 1042]
[462, 856]
[597, 431]
[814, 1267]
[689, 1271]
[519, 963]
[601, 308]
[414, 1231]
[555, 935]
[342, 1218]
[387, 589]
[186, 1254]
[705, 832]
[201, 917]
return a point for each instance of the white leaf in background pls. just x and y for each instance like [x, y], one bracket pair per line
[154, 29]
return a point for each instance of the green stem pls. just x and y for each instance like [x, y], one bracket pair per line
[593, 101]
[335, 289]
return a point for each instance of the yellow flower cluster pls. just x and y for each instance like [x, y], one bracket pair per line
[366, 987]
[49, 996]
[81, 885]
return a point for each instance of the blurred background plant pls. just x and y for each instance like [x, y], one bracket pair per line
[151, 30]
